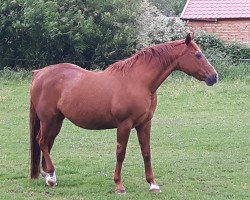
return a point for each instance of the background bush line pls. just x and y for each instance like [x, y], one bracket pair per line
[224, 57]
[241, 72]
[96, 33]
[216, 49]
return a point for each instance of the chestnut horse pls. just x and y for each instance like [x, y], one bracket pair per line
[123, 96]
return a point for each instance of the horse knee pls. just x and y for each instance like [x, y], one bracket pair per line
[120, 157]
[120, 153]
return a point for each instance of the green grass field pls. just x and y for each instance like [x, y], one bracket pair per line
[200, 148]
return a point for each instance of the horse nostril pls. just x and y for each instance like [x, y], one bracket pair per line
[215, 78]
[212, 79]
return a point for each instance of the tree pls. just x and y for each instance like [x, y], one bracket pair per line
[50, 31]
[170, 7]
[155, 27]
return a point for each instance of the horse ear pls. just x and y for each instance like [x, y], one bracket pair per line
[189, 38]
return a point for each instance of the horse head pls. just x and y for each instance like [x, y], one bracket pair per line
[193, 62]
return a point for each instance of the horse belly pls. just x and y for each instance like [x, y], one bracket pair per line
[92, 121]
[89, 113]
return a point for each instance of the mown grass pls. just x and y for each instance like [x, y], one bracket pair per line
[200, 147]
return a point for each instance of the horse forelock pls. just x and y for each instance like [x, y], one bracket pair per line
[161, 53]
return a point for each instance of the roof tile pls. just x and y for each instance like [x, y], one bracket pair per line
[210, 9]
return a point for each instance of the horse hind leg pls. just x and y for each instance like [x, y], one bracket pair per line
[48, 132]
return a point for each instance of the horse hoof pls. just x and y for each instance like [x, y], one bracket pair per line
[154, 188]
[51, 183]
[120, 191]
[50, 180]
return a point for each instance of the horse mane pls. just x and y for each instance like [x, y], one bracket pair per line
[162, 53]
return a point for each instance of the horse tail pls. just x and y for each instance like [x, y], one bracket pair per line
[35, 152]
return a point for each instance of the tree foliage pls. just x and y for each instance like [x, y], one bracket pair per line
[50, 31]
[155, 27]
[170, 7]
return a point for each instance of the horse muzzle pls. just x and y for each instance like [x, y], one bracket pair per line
[211, 80]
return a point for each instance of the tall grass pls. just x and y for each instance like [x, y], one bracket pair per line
[8, 74]
[229, 72]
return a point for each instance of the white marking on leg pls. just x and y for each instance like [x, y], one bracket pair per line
[50, 180]
[154, 188]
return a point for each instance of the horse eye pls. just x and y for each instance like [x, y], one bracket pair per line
[198, 55]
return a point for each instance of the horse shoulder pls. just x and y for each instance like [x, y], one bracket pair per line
[137, 106]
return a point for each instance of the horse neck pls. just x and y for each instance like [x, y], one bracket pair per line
[161, 65]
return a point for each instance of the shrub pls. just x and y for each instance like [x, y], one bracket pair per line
[238, 51]
[155, 27]
[225, 57]
[233, 52]
[7, 74]
[170, 7]
[47, 31]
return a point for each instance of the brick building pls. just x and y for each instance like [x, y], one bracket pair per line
[227, 19]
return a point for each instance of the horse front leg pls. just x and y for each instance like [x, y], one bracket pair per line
[143, 133]
[123, 132]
